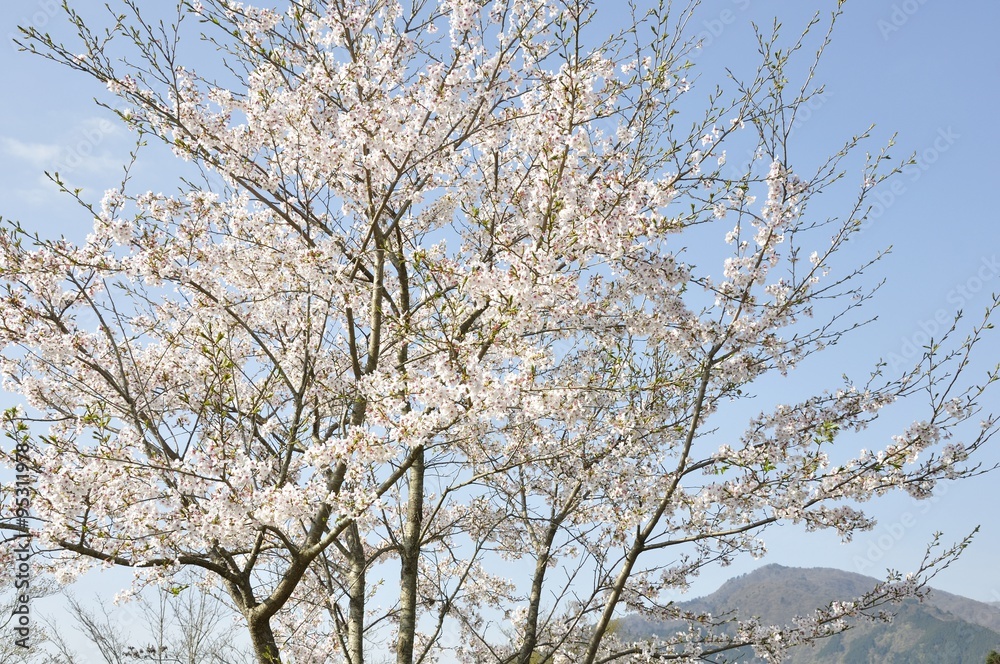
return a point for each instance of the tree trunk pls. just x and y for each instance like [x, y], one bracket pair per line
[410, 560]
[527, 650]
[356, 595]
[265, 648]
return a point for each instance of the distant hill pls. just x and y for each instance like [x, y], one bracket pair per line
[944, 629]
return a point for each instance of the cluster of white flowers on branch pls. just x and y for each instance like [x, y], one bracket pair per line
[430, 367]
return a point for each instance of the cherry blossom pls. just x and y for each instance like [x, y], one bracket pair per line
[434, 361]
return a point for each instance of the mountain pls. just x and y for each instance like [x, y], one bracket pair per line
[943, 629]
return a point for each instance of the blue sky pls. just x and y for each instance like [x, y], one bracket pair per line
[925, 69]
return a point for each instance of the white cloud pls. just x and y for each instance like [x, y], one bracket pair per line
[33, 197]
[39, 155]
[80, 151]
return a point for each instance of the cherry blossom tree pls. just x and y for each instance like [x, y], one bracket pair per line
[437, 357]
